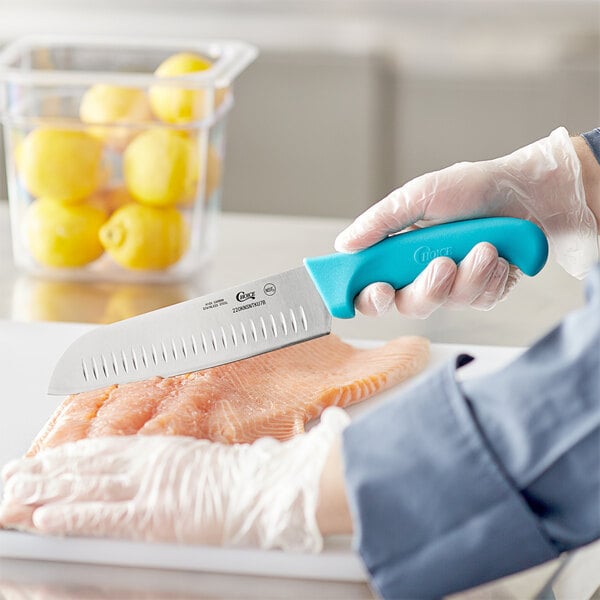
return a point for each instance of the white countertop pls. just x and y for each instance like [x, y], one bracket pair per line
[252, 246]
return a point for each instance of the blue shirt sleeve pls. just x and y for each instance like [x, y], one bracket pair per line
[452, 485]
[593, 141]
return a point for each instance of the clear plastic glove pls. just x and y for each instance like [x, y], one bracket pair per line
[541, 182]
[176, 489]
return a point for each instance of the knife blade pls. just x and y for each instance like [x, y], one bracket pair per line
[278, 310]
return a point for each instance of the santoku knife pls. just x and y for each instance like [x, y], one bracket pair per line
[279, 310]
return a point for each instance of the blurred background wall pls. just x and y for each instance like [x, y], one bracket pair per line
[351, 98]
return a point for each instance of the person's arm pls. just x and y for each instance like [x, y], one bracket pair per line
[333, 513]
[451, 485]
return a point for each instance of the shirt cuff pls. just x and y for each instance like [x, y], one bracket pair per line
[593, 141]
[433, 511]
[541, 416]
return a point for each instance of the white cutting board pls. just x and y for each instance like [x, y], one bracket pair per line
[28, 353]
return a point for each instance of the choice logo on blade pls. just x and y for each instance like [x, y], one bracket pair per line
[244, 296]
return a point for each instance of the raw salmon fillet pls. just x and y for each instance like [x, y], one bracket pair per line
[272, 394]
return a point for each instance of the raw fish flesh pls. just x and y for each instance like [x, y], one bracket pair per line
[274, 394]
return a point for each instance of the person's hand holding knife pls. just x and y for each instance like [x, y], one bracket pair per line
[541, 182]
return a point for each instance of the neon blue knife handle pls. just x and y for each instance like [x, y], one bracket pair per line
[398, 259]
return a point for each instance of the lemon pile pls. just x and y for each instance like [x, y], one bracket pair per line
[123, 184]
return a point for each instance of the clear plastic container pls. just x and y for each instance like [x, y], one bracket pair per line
[114, 168]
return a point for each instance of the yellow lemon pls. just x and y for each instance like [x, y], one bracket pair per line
[108, 106]
[63, 235]
[145, 237]
[176, 105]
[64, 164]
[160, 167]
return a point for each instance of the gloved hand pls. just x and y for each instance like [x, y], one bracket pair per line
[179, 489]
[541, 182]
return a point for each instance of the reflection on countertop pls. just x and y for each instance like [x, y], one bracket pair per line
[36, 299]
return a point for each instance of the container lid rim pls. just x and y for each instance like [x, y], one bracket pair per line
[232, 57]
